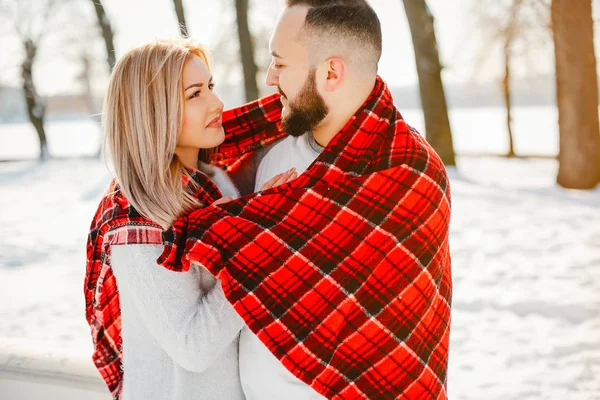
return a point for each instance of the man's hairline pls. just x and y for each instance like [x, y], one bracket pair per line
[303, 37]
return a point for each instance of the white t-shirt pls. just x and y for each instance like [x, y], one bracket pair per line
[263, 377]
[291, 152]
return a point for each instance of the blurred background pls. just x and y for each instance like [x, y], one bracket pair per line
[505, 90]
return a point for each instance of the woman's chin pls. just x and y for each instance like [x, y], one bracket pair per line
[213, 137]
[219, 136]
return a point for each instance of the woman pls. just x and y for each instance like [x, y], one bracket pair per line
[160, 334]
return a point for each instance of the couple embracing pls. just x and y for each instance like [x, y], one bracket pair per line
[292, 248]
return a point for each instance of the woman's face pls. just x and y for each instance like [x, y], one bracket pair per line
[202, 109]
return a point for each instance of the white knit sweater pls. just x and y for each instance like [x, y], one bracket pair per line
[180, 334]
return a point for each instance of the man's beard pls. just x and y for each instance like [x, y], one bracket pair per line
[307, 110]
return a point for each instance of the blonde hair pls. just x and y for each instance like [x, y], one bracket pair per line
[142, 117]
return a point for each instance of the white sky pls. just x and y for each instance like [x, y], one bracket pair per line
[138, 21]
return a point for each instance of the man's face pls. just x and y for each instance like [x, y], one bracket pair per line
[303, 107]
[307, 110]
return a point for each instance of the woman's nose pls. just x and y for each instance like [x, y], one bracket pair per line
[217, 105]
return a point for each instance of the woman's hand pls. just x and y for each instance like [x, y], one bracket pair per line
[222, 200]
[280, 179]
[277, 180]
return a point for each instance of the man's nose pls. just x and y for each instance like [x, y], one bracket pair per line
[272, 78]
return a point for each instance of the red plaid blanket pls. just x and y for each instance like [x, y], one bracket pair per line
[344, 273]
[116, 222]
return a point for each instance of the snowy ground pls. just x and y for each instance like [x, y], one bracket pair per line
[526, 264]
[45, 213]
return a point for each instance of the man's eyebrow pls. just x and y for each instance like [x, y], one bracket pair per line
[274, 54]
[199, 85]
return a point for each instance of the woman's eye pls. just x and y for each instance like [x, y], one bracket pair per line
[196, 94]
[276, 66]
[211, 86]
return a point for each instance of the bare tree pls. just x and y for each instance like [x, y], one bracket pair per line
[31, 21]
[246, 50]
[36, 106]
[179, 10]
[107, 32]
[85, 78]
[226, 61]
[429, 69]
[509, 36]
[577, 94]
[82, 46]
[505, 23]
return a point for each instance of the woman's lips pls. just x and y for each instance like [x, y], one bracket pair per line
[215, 123]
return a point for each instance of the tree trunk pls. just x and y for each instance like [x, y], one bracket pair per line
[508, 97]
[577, 94]
[107, 33]
[181, 17]
[246, 50]
[36, 108]
[88, 94]
[429, 69]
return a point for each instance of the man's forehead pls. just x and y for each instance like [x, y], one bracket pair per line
[288, 27]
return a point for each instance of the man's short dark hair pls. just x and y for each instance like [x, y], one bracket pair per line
[345, 22]
[322, 3]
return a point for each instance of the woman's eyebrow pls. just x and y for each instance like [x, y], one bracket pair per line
[195, 85]
[199, 84]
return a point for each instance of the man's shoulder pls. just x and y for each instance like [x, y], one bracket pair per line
[405, 147]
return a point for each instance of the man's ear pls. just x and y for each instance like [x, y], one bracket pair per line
[336, 73]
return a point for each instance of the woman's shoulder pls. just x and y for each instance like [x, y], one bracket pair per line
[114, 211]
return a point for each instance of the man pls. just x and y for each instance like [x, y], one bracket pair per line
[343, 274]
[347, 67]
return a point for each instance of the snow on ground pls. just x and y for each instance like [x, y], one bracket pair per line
[526, 260]
[45, 213]
[526, 265]
[526, 268]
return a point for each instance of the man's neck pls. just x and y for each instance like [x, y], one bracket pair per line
[338, 118]
[326, 131]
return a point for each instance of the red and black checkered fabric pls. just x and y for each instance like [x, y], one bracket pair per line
[116, 222]
[344, 273]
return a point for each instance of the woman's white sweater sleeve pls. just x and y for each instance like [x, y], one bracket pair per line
[193, 327]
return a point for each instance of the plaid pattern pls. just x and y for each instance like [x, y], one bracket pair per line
[116, 222]
[343, 273]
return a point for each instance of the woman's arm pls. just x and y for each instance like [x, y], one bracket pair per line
[249, 127]
[192, 327]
